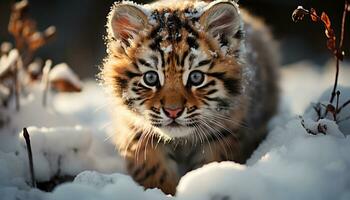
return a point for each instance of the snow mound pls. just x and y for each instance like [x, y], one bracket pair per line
[297, 166]
[64, 72]
[343, 117]
[64, 158]
[6, 62]
[93, 185]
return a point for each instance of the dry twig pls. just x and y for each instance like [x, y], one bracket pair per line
[30, 156]
[23, 28]
[337, 52]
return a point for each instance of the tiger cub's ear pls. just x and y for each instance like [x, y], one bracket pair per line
[221, 19]
[125, 22]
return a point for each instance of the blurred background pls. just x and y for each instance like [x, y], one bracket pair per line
[80, 29]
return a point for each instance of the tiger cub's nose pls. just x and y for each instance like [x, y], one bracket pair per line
[173, 112]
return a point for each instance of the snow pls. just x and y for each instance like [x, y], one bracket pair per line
[167, 49]
[35, 66]
[5, 47]
[304, 82]
[300, 167]
[71, 137]
[63, 72]
[342, 117]
[62, 144]
[92, 185]
[6, 62]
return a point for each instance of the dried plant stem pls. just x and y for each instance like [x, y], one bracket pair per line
[46, 89]
[346, 5]
[335, 81]
[27, 58]
[16, 88]
[343, 106]
[30, 156]
[339, 53]
[45, 81]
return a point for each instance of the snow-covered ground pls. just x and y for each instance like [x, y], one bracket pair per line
[71, 137]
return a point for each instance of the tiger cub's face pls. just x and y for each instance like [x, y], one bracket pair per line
[179, 66]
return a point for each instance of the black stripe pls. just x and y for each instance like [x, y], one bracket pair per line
[219, 75]
[121, 83]
[154, 33]
[211, 65]
[192, 43]
[156, 125]
[193, 115]
[203, 62]
[163, 177]
[156, 44]
[239, 34]
[155, 116]
[156, 121]
[177, 59]
[136, 90]
[192, 109]
[153, 46]
[217, 99]
[211, 91]
[190, 29]
[137, 136]
[131, 75]
[155, 110]
[149, 172]
[138, 170]
[223, 40]
[145, 63]
[232, 85]
[136, 99]
[190, 59]
[144, 101]
[221, 102]
[210, 83]
[184, 56]
[155, 60]
[205, 103]
[174, 25]
[162, 57]
[194, 124]
[136, 65]
[128, 102]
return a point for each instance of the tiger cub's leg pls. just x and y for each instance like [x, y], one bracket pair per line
[150, 166]
[217, 150]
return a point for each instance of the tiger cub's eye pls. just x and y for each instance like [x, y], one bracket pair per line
[196, 78]
[151, 78]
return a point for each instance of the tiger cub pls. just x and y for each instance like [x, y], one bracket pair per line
[192, 83]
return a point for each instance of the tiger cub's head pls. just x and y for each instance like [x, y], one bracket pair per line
[176, 64]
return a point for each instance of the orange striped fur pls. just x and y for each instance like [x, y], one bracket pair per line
[192, 82]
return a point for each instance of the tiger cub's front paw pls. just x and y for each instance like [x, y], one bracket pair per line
[154, 171]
